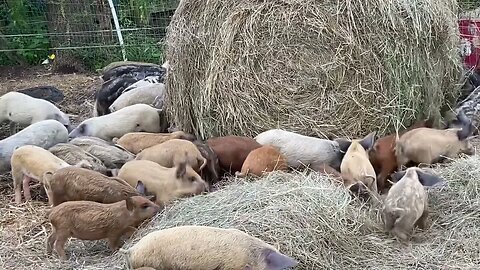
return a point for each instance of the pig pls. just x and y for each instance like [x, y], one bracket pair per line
[205, 248]
[135, 142]
[79, 184]
[171, 153]
[110, 90]
[166, 183]
[49, 93]
[302, 150]
[232, 151]
[111, 155]
[137, 70]
[211, 172]
[138, 117]
[406, 206]
[152, 94]
[45, 134]
[30, 162]
[382, 155]
[87, 220]
[427, 179]
[262, 160]
[356, 163]
[23, 110]
[73, 154]
[428, 145]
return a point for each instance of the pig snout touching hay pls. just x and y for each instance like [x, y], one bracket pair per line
[406, 206]
[205, 248]
[134, 118]
[263, 160]
[135, 142]
[172, 152]
[356, 163]
[79, 184]
[166, 183]
[87, 220]
[382, 155]
[356, 187]
[31, 162]
[73, 154]
[112, 156]
[24, 110]
[45, 134]
[428, 145]
[211, 172]
[232, 151]
[151, 94]
[302, 150]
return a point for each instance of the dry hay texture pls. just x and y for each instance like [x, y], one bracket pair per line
[338, 68]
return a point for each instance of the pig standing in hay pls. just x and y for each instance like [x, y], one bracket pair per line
[205, 248]
[44, 134]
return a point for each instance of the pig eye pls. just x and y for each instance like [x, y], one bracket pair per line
[145, 206]
[82, 128]
[192, 179]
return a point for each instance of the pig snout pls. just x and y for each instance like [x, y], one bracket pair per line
[360, 190]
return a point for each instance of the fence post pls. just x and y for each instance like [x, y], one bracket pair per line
[117, 28]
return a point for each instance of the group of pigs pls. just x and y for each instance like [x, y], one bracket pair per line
[119, 168]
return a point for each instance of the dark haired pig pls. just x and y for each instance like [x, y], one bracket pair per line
[110, 154]
[48, 93]
[302, 150]
[88, 220]
[382, 155]
[135, 142]
[205, 248]
[406, 206]
[427, 145]
[78, 184]
[263, 160]
[44, 134]
[232, 151]
[73, 154]
[172, 152]
[134, 118]
[166, 183]
[137, 70]
[110, 90]
[211, 171]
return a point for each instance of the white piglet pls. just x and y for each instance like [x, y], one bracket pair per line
[24, 110]
[151, 94]
[134, 118]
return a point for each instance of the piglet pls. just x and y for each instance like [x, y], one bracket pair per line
[263, 160]
[87, 220]
[73, 154]
[135, 142]
[205, 248]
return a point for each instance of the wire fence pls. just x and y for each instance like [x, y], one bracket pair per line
[90, 32]
[94, 33]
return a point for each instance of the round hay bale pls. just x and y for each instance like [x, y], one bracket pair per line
[315, 67]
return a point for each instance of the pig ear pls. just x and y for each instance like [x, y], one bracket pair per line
[368, 141]
[181, 169]
[152, 198]
[397, 176]
[467, 130]
[428, 179]
[344, 144]
[129, 203]
[278, 261]
[141, 187]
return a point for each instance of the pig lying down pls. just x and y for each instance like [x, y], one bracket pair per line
[205, 248]
[152, 94]
[44, 134]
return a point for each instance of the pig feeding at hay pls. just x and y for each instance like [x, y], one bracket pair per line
[311, 67]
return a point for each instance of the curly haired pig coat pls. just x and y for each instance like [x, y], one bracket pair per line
[166, 183]
[73, 154]
[44, 134]
[79, 184]
[406, 206]
[111, 155]
[135, 142]
[302, 150]
[24, 110]
[172, 152]
[31, 162]
[205, 248]
[88, 220]
[263, 160]
[134, 118]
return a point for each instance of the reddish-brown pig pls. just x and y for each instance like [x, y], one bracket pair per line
[232, 151]
[263, 160]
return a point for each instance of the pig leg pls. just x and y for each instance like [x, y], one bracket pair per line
[403, 226]
[422, 220]
[51, 240]
[114, 241]
[389, 220]
[17, 185]
[26, 188]
[60, 244]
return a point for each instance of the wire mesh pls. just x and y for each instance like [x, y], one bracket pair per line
[84, 29]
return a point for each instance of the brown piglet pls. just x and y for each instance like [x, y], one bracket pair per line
[87, 220]
[263, 160]
[135, 142]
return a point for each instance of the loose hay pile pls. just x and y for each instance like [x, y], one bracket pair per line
[314, 67]
[316, 223]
